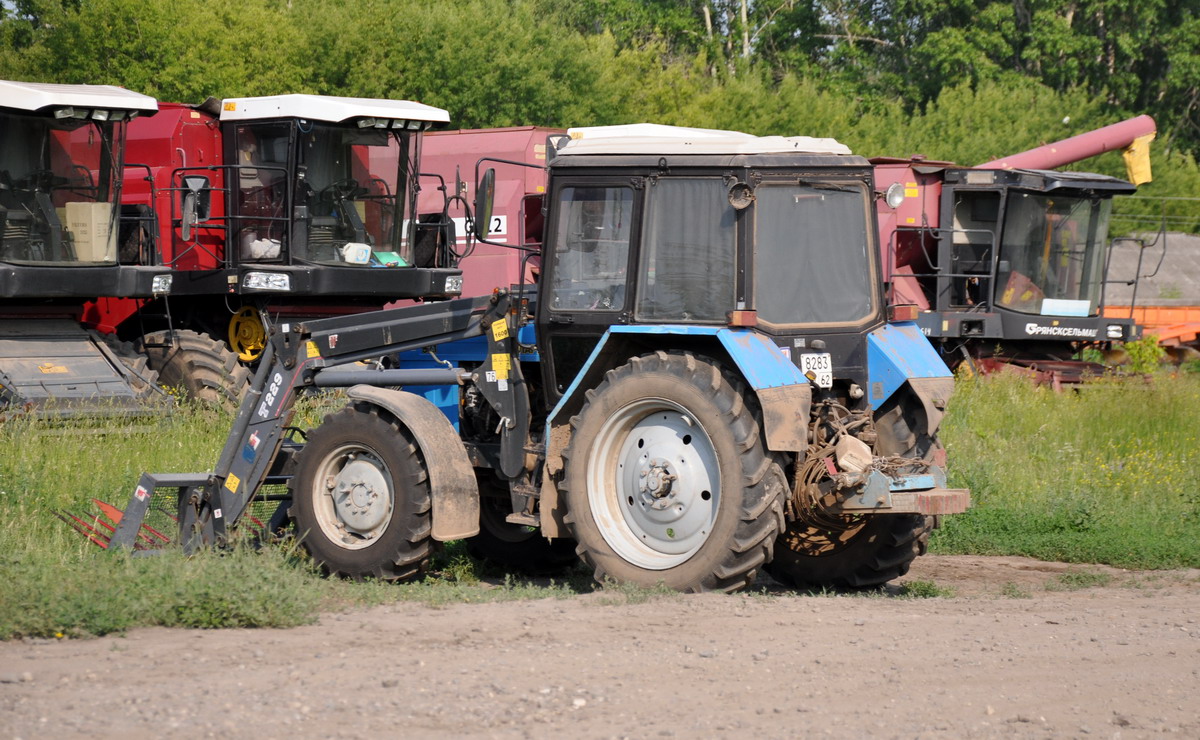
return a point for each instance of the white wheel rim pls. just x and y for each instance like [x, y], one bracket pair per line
[653, 484]
[352, 497]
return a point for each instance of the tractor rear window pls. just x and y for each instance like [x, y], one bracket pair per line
[812, 260]
[688, 251]
[592, 248]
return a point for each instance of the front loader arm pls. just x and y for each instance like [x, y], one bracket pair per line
[305, 354]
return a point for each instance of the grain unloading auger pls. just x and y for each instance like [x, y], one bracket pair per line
[686, 400]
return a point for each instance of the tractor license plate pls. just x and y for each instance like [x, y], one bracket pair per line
[818, 368]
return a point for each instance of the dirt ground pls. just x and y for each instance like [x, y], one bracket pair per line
[1010, 655]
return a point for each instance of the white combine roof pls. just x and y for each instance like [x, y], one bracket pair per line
[34, 96]
[653, 138]
[328, 108]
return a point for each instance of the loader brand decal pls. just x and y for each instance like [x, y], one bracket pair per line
[268, 402]
[333, 340]
[500, 330]
[312, 349]
[141, 494]
[1036, 330]
[254, 440]
[232, 483]
[49, 368]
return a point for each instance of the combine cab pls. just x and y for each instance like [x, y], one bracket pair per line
[61, 157]
[1007, 262]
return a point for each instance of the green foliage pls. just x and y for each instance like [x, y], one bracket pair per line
[920, 589]
[1145, 354]
[1105, 474]
[1077, 580]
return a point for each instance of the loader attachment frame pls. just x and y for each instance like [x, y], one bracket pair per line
[308, 355]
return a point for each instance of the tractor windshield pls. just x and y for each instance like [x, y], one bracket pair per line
[812, 253]
[1052, 254]
[354, 184]
[57, 190]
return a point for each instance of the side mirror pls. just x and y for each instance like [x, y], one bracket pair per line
[485, 201]
[196, 205]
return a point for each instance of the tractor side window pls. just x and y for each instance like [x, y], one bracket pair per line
[688, 251]
[812, 254]
[591, 254]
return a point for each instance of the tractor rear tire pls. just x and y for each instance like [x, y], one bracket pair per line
[881, 549]
[202, 367]
[360, 497]
[514, 546]
[667, 479]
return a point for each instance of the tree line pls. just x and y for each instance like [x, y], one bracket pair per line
[958, 80]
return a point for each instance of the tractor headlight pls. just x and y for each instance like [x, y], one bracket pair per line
[160, 284]
[267, 281]
[454, 284]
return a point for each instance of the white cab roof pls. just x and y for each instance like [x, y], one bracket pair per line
[33, 96]
[653, 138]
[327, 108]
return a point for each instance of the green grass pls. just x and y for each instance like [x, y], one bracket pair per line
[1105, 474]
[1102, 475]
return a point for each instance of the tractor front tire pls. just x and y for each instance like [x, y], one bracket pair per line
[202, 367]
[360, 497]
[667, 479]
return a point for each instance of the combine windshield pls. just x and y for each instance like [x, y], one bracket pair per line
[355, 187]
[1052, 254]
[57, 190]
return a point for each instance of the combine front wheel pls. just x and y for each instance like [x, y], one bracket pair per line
[360, 497]
[199, 365]
[667, 479]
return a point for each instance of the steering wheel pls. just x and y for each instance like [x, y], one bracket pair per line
[345, 189]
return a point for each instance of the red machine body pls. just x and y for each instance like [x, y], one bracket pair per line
[517, 218]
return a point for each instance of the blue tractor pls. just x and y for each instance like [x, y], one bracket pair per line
[705, 383]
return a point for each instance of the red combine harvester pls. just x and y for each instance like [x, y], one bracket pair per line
[61, 157]
[268, 210]
[1005, 262]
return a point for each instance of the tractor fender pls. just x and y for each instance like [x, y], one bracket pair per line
[453, 488]
[900, 353]
[783, 392]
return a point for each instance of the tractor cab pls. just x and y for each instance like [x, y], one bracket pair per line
[704, 230]
[61, 159]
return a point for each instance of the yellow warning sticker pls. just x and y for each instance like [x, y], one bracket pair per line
[232, 483]
[49, 368]
[500, 365]
[911, 192]
[313, 349]
[230, 106]
[500, 330]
